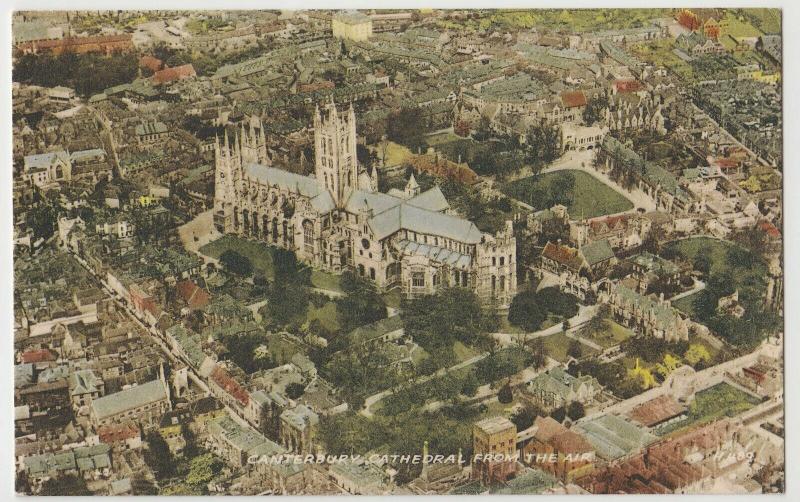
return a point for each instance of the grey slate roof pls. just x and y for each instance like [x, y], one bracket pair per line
[320, 198]
[128, 399]
[597, 252]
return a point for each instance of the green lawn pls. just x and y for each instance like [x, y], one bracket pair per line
[718, 401]
[443, 137]
[395, 153]
[326, 315]
[464, 352]
[614, 335]
[259, 255]
[590, 197]
[325, 280]
[558, 344]
[257, 252]
[283, 349]
[686, 304]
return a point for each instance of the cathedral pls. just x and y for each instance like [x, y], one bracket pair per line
[337, 220]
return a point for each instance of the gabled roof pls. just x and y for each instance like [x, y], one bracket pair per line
[432, 200]
[128, 399]
[597, 252]
[565, 255]
[571, 99]
[176, 73]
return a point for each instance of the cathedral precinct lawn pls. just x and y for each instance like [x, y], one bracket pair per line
[558, 344]
[614, 335]
[259, 255]
[589, 197]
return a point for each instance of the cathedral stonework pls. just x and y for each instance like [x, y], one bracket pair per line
[337, 220]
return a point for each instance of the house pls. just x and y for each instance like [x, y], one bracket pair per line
[351, 25]
[556, 388]
[559, 451]
[121, 437]
[150, 133]
[358, 478]
[576, 137]
[61, 95]
[47, 169]
[646, 316]
[90, 462]
[84, 387]
[494, 437]
[299, 428]
[173, 74]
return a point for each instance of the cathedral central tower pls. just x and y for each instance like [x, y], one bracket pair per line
[336, 164]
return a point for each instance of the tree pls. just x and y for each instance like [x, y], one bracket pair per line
[294, 390]
[599, 323]
[594, 108]
[702, 263]
[403, 126]
[469, 387]
[559, 414]
[361, 304]
[68, 484]
[539, 352]
[697, 353]
[158, 456]
[202, 470]
[505, 395]
[575, 410]
[524, 416]
[437, 321]
[574, 349]
[525, 311]
[236, 263]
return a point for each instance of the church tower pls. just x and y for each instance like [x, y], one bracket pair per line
[254, 142]
[336, 164]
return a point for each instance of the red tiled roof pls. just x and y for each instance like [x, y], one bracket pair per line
[37, 356]
[565, 255]
[656, 410]
[628, 85]
[174, 73]
[194, 296]
[73, 41]
[570, 442]
[571, 99]
[150, 62]
[117, 432]
[770, 229]
[224, 380]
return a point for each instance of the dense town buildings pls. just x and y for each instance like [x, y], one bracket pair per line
[421, 251]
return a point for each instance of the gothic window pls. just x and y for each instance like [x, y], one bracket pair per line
[372, 273]
[308, 237]
[418, 279]
[361, 270]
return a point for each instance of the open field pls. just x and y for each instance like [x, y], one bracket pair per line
[589, 198]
